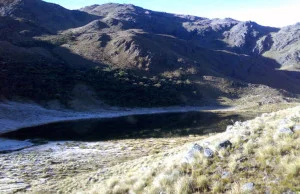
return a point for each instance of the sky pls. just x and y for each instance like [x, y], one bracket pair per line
[276, 13]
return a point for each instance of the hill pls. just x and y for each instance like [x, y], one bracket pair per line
[117, 52]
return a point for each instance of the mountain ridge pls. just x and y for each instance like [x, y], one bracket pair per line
[51, 16]
[148, 51]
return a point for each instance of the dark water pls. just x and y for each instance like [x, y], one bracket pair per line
[139, 126]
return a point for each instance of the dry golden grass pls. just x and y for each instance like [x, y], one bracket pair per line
[151, 166]
[258, 155]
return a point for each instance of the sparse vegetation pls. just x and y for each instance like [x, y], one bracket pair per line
[127, 56]
[61, 39]
[49, 56]
[114, 87]
[270, 162]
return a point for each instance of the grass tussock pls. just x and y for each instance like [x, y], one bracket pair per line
[258, 155]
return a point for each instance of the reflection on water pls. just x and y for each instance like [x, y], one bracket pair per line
[139, 126]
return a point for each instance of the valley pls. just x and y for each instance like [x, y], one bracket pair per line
[120, 99]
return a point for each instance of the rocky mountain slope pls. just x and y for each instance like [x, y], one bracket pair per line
[285, 47]
[119, 51]
[52, 17]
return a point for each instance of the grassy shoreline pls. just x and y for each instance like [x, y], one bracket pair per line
[155, 165]
[259, 155]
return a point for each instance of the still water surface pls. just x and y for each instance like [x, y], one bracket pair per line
[137, 126]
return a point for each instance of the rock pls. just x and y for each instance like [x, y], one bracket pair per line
[192, 152]
[229, 128]
[242, 159]
[246, 133]
[285, 130]
[283, 122]
[264, 115]
[238, 124]
[197, 147]
[248, 187]
[51, 162]
[225, 144]
[208, 153]
[190, 157]
[206, 144]
[225, 175]
[296, 128]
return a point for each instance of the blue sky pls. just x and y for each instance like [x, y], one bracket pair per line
[275, 13]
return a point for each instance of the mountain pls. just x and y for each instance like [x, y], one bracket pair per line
[125, 55]
[50, 16]
[285, 47]
[210, 33]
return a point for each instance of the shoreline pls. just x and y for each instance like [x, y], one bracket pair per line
[15, 115]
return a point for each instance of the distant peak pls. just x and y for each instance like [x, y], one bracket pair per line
[295, 26]
[91, 6]
[249, 23]
[109, 5]
[224, 20]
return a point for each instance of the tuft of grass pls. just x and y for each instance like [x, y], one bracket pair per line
[293, 168]
[183, 185]
[235, 188]
[200, 183]
[217, 187]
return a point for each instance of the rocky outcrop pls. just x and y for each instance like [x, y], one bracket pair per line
[285, 131]
[244, 35]
[286, 49]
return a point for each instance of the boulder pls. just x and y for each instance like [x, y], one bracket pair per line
[208, 153]
[238, 124]
[197, 147]
[296, 128]
[283, 122]
[248, 187]
[285, 131]
[190, 156]
[225, 144]
[192, 152]
[229, 128]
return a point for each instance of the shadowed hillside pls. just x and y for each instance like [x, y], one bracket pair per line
[50, 16]
[129, 56]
